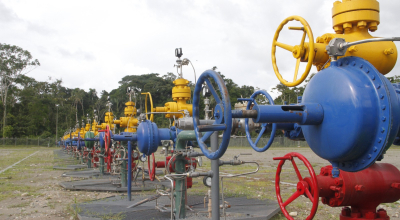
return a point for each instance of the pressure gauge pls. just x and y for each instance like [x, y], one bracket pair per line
[206, 91]
[135, 154]
[207, 181]
[143, 158]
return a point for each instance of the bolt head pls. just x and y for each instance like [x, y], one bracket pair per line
[338, 181]
[370, 215]
[346, 211]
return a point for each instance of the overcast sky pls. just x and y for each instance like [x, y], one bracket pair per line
[93, 44]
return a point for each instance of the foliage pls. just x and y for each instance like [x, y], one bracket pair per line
[33, 111]
[14, 63]
[394, 79]
[8, 131]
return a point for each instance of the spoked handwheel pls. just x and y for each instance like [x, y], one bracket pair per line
[107, 138]
[222, 114]
[307, 188]
[303, 51]
[264, 125]
[151, 105]
[151, 167]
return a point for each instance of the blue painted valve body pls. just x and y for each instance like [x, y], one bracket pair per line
[148, 136]
[349, 114]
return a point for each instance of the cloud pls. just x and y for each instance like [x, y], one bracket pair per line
[76, 54]
[95, 45]
[6, 14]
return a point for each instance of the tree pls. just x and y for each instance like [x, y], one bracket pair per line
[14, 63]
[394, 79]
[169, 76]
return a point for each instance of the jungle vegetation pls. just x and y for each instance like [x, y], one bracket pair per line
[29, 107]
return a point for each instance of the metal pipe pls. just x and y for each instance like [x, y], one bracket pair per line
[180, 184]
[244, 114]
[306, 114]
[346, 45]
[123, 170]
[234, 175]
[215, 179]
[129, 183]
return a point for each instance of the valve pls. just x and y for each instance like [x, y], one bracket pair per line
[302, 52]
[151, 105]
[352, 21]
[338, 46]
[105, 138]
[222, 114]
[359, 190]
[263, 125]
[181, 92]
[308, 187]
[326, 120]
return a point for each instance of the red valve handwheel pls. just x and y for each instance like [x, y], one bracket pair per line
[152, 170]
[303, 187]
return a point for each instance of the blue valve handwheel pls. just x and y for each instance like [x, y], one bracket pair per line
[264, 125]
[222, 114]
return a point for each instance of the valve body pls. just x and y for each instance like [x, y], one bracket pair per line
[363, 191]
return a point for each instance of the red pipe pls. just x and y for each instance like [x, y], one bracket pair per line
[363, 190]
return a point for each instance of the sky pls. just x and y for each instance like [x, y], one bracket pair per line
[93, 44]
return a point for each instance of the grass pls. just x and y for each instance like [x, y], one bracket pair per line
[20, 205]
[74, 209]
[15, 184]
[9, 190]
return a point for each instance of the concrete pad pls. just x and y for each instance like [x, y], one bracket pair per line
[116, 206]
[112, 183]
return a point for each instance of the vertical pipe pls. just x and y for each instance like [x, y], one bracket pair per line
[82, 155]
[93, 158]
[89, 159]
[215, 179]
[123, 171]
[129, 185]
[180, 186]
[101, 159]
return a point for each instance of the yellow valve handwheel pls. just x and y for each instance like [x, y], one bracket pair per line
[151, 105]
[298, 51]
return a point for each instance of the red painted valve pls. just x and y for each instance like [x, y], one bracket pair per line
[190, 162]
[108, 158]
[152, 170]
[363, 191]
[107, 138]
[307, 187]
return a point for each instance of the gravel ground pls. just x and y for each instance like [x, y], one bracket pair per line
[30, 190]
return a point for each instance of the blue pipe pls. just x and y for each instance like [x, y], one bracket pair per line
[129, 185]
[305, 114]
[125, 137]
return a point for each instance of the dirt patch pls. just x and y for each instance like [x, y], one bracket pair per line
[30, 190]
[33, 192]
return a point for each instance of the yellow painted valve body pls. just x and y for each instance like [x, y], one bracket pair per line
[180, 94]
[87, 127]
[82, 132]
[352, 20]
[108, 119]
[74, 134]
[129, 122]
[94, 128]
